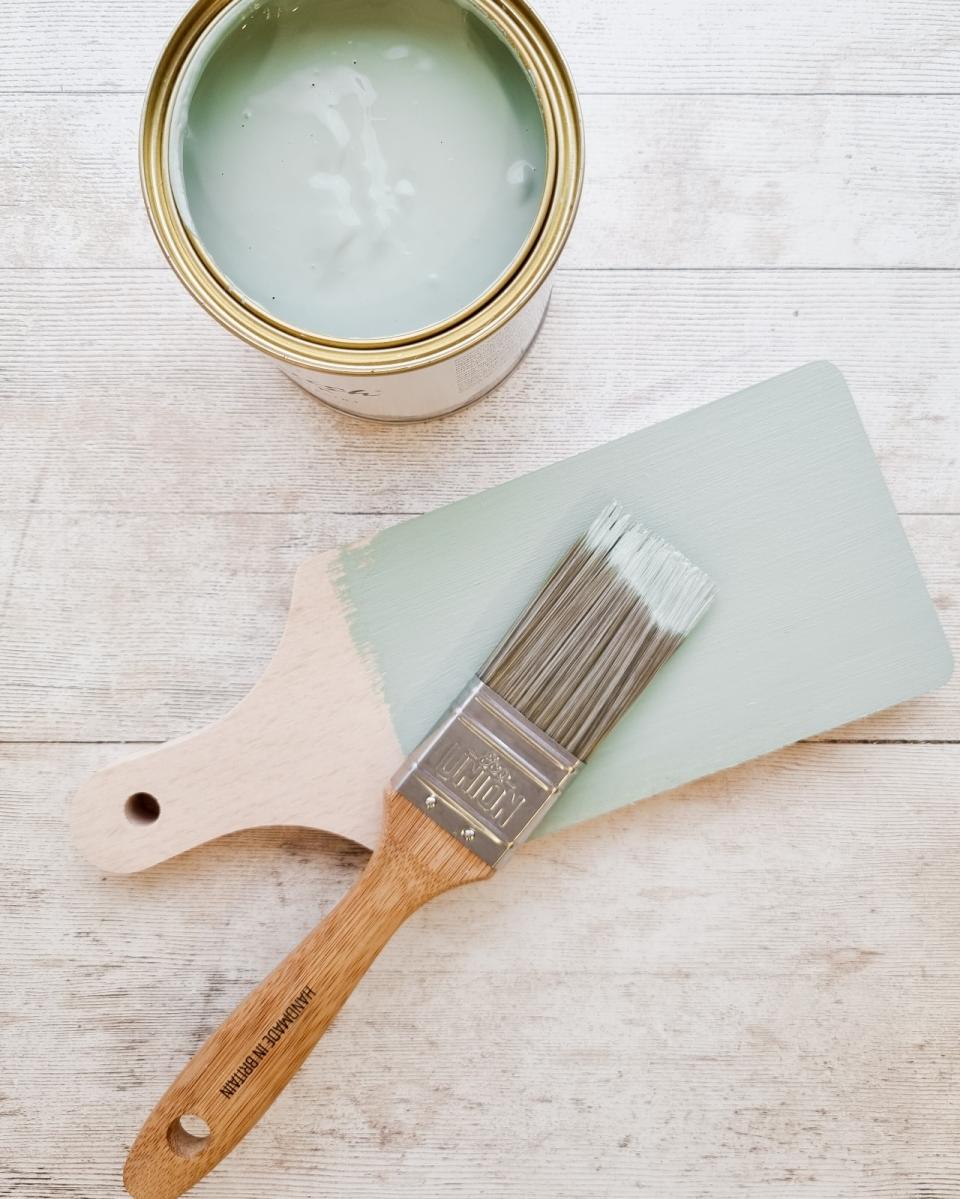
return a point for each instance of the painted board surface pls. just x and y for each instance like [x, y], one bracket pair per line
[821, 618]
[821, 615]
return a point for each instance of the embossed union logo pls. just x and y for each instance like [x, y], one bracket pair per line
[484, 779]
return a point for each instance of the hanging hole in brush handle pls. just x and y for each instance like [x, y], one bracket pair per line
[188, 1135]
[234, 1078]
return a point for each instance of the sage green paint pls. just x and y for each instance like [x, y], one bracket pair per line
[359, 168]
[821, 617]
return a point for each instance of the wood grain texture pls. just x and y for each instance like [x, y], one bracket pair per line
[748, 989]
[312, 744]
[674, 182]
[620, 46]
[821, 615]
[745, 988]
[121, 396]
[148, 627]
[234, 1078]
[382, 634]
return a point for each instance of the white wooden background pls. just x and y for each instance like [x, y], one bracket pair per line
[747, 988]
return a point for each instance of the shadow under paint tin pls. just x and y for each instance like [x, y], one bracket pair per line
[373, 192]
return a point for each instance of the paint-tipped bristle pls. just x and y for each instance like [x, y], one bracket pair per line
[614, 610]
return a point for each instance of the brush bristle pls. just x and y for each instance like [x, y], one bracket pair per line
[614, 610]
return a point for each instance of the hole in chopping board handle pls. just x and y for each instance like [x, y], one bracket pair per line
[188, 1135]
[142, 808]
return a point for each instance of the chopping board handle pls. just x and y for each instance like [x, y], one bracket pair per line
[150, 807]
[232, 1080]
[287, 754]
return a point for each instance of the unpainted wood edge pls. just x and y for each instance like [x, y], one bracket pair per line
[191, 777]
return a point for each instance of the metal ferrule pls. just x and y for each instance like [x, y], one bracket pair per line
[486, 774]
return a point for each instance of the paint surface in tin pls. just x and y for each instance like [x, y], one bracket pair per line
[358, 170]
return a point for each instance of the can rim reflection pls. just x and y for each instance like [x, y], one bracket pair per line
[200, 54]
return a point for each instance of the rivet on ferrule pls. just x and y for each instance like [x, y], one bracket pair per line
[486, 774]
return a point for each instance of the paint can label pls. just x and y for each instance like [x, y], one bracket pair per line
[431, 390]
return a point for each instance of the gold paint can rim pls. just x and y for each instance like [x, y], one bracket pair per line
[538, 53]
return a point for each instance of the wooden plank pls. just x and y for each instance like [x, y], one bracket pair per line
[672, 182]
[134, 626]
[121, 395]
[820, 621]
[620, 46]
[745, 987]
[129, 617]
[739, 990]
[415, 863]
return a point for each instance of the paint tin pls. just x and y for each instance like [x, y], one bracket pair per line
[409, 374]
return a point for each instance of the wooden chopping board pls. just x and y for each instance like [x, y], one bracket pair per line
[821, 618]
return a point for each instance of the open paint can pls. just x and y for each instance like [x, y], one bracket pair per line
[373, 192]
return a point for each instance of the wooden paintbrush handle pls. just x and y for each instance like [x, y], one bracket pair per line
[238, 1073]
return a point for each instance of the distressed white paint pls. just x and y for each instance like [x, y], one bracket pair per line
[673, 181]
[115, 409]
[620, 46]
[746, 990]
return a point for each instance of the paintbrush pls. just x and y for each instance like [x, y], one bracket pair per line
[614, 610]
